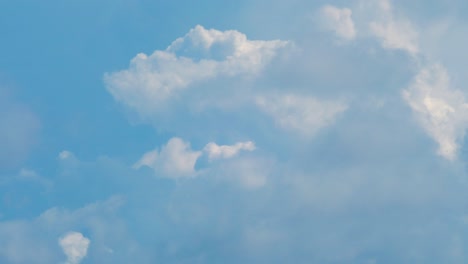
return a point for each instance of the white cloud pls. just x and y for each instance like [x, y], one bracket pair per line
[339, 21]
[31, 175]
[393, 33]
[216, 151]
[200, 55]
[442, 111]
[175, 160]
[303, 114]
[75, 246]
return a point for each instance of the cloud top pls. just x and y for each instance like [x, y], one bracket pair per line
[201, 55]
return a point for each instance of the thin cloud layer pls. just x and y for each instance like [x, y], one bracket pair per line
[19, 128]
[302, 114]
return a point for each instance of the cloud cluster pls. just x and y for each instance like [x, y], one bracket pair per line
[438, 107]
[194, 79]
[250, 178]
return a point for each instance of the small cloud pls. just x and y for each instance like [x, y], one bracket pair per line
[176, 159]
[216, 151]
[339, 21]
[75, 246]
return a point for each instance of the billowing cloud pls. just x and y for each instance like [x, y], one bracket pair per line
[216, 151]
[201, 55]
[303, 114]
[338, 20]
[393, 33]
[176, 159]
[440, 109]
[75, 246]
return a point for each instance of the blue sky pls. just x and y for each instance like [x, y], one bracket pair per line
[136, 131]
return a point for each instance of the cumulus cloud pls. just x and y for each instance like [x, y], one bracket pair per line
[338, 20]
[75, 246]
[200, 55]
[393, 33]
[176, 159]
[441, 110]
[216, 151]
[303, 114]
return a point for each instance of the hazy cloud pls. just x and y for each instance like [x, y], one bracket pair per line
[303, 114]
[338, 20]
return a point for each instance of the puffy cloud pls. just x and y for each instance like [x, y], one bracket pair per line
[440, 109]
[200, 55]
[303, 114]
[216, 151]
[338, 20]
[75, 246]
[176, 159]
[394, 33]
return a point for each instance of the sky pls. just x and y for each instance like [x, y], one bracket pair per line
[279, 131]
